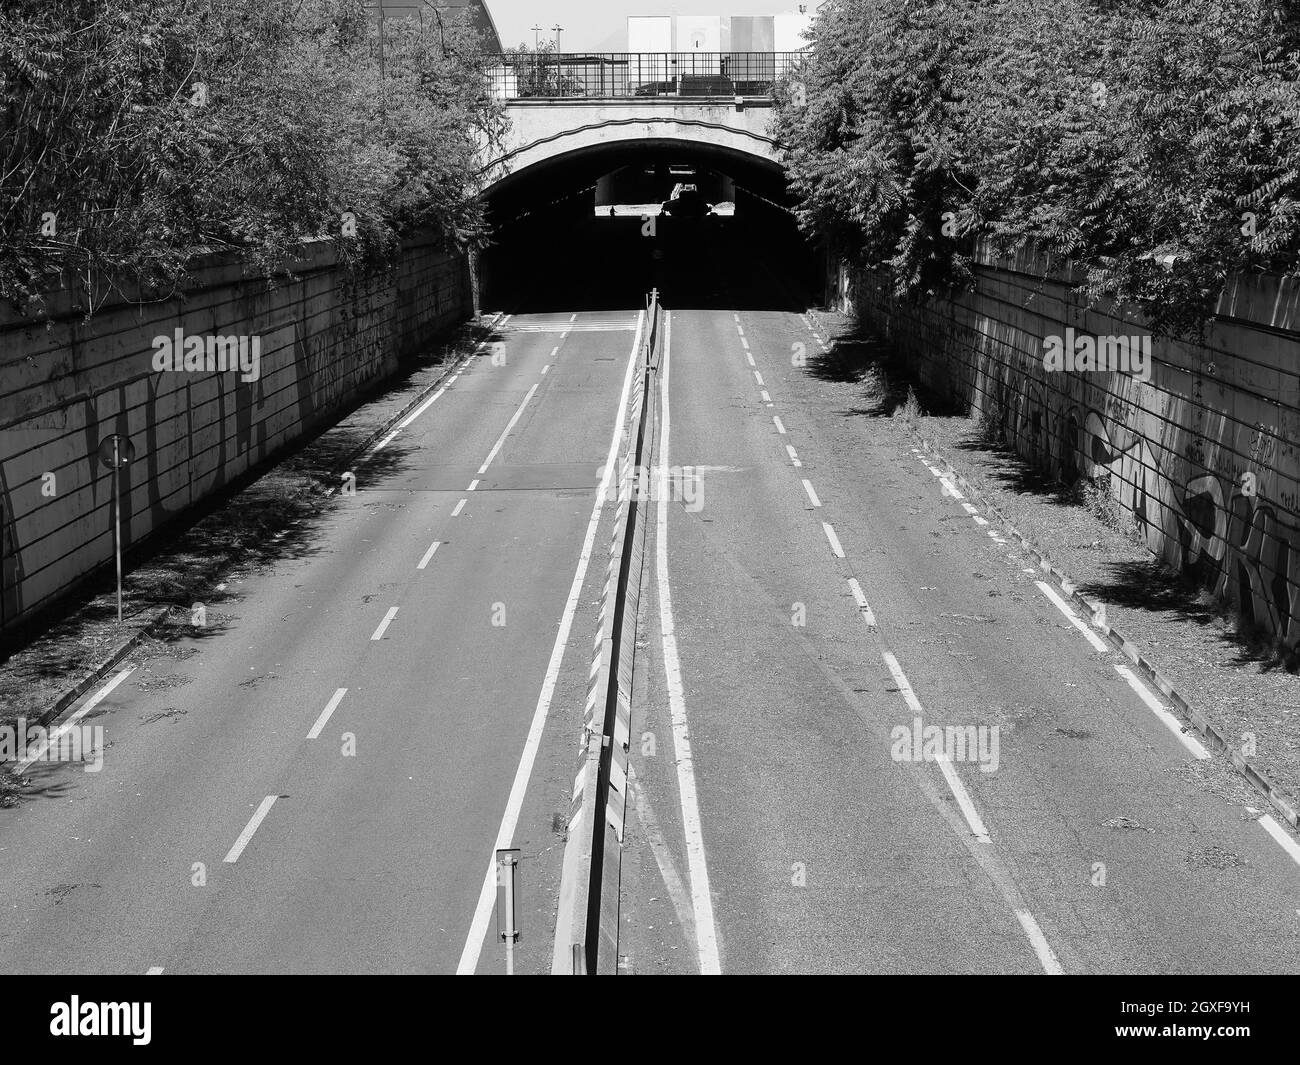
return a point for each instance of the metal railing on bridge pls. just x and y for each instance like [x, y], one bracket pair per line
[631, 75]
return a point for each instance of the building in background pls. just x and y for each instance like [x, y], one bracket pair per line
[480, 16]
[718, 34]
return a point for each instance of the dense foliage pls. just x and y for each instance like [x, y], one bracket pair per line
[134, 131]
[1150, 142]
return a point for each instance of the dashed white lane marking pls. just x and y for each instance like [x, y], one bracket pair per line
[861, 598]
[573, 317]
[750, 358]
[1046, 957]
[951, 489]
[472, 485]
[1029, 569]
[56, 736]
[706, 936]
[330, 707]
[388, 618]
[741, 330]
[973, 819]
[812, 494]
[458, 508]
[1098, 644]
[794, 457]
[545, 369]
[836, 549]
[759, 378]
[969, 509]
[744, 343]
[428, 555]
[554, 351]
[765, 397]
[780, 425]
[1167, 719]
[1269, 825]
[983, 521]
[735, 318]
[523, 773]
[506, 431]
[250, 828]
[154, 970]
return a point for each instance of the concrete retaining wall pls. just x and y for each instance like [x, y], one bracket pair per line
[1205, 454]
[67, 383]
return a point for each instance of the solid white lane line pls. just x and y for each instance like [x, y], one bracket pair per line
[794, 458]
[759, 378]
[472, 485]
[812, 494]
[973, 819]
[969, 509]
[780, 425]
[1098, 644]
[506, 431]
[388, 618]
[1158, 708]
[836, 549]
[706, 936]
[458, 508]
[250, 828]
[56, 736]
[861, 598]
[1046, 957]
[387, 440]
[330, 707]
[1269, 825]
[428, 555]
[510, 818]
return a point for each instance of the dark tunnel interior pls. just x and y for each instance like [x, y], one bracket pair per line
[552, 250]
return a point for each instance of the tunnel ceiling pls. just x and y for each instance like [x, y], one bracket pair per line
[561, 176]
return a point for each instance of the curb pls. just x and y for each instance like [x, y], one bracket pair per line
[128, 645]
[1127, 647]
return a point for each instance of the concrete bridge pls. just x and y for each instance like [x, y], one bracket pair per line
[575, 117]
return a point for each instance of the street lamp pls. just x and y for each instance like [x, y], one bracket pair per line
[536, 41]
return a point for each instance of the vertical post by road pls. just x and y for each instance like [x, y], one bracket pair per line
[117, 526]
[507, 918]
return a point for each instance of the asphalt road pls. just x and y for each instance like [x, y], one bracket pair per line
[236, 827]
[317, 779]
[826, 590]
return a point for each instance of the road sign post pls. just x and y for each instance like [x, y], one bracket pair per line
[507, 903]
[116, 451]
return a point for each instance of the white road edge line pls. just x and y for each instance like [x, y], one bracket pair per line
[330, 707]
[1046, 957]
[510, 818]
[58, 733]
[253, 822]
[428, 555]
[388, 618]
[706, 935]
[1098, 644]
[1167, 719]
[1269, 825]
